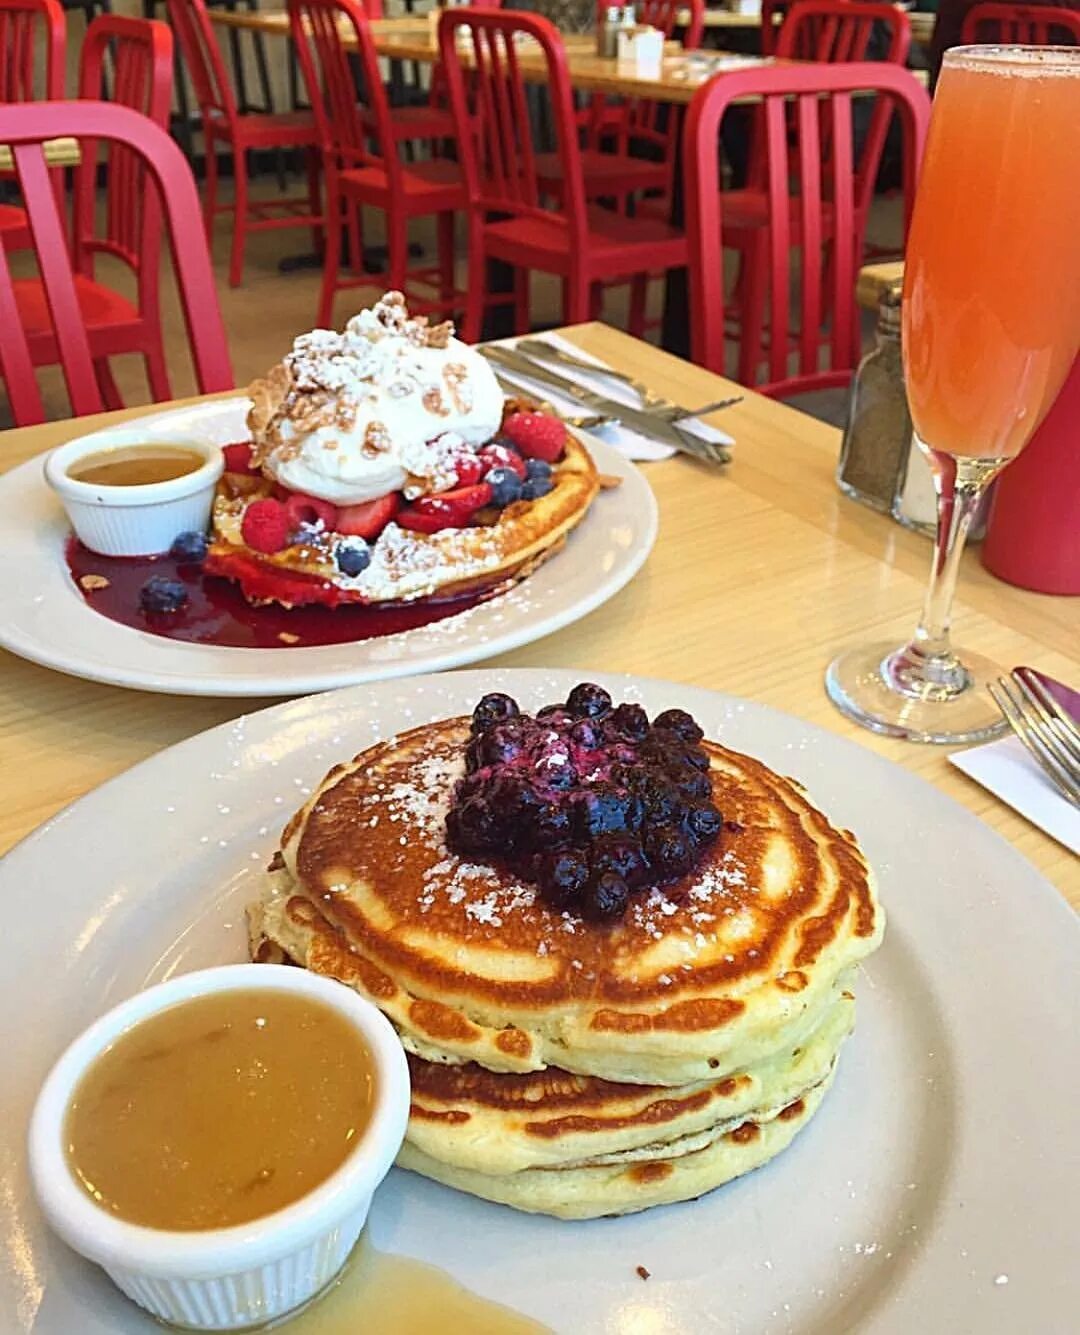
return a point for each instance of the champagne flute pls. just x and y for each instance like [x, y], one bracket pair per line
[991, 319]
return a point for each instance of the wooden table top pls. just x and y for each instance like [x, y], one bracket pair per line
[874, 279]
[413, 39]
[761, 572]
[58, 153]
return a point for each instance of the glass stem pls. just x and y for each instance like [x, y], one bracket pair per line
[927, 666]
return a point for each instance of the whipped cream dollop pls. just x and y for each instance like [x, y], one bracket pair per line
[383, 406]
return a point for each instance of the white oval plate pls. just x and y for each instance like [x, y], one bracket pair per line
[934, 1192]
[45, 618]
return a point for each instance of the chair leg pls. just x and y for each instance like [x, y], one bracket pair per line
[522, 321]
[596, 300]
[446, 258]
[110, 393]
[577, 299]
[332, 253]
[314, 164]
[397, 249]
[240, 216]
[639, 291]
[210, 199]
[157, 374]
[475, 288]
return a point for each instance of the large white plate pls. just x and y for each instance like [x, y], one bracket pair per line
[935, 1191]
[45, 618]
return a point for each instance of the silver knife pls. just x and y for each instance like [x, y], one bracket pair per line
[651, 427]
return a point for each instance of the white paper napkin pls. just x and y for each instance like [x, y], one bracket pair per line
[1006, 769]
[627, 442]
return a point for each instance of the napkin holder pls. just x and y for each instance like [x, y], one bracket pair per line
[640, 51]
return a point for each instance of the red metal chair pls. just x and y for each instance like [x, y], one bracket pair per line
[77, 345]
[33, 49]
[584, 245]
[361, 157]
[769, 27]
[818, 185]
[644, 134]
[222, 123]
[1021, 25]
[139, 53]
[840, 30]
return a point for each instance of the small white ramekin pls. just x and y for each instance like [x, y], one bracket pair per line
[230, 1278]
[134, 521]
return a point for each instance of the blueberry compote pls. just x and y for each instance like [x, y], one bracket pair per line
[588, 799]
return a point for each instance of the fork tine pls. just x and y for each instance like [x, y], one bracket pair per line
[1043, 726]
[1018, 721]
[1051, 711]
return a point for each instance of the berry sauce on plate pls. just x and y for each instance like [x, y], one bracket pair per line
[591, 800]
[216, 612]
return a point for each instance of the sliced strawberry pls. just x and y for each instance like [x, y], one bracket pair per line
[449, 509]
[470, 469]
[238, 458]
[369, 519]
[537, 435]
[303, 509]
[502, 456]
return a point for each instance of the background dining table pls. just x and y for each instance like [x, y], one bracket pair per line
[761, 572]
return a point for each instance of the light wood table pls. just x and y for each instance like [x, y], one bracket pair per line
[412, 39]
[761, 572]
[874, 279]
[58, 153]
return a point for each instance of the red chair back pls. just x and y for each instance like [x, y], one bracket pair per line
[1022, 25]
[25, 129]
[802, 106]
[203, 58]
[140, 52]
[32, 30]
[498, 156]
[353, 123]
[769, 27]
[840, 30]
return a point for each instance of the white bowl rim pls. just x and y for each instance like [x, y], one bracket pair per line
[107, 1240]
[59, 460]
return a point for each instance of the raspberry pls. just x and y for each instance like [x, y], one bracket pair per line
[502, 456]
[303, 509]
[470, 469]
[265, 526]
[537, 435]
[238, 458]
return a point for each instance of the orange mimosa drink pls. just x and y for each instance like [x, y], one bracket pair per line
[992, 287]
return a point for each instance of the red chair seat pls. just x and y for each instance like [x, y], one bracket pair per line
[269, 130]
[606, 174]
[430, 187]
[422, 123]
[113, 324]
[14, 228]
[617, 245]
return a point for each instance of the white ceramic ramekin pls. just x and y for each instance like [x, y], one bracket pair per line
[134, 521]
[231, 1278]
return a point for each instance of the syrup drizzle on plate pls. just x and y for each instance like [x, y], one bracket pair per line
[394, 1295]
[217, 612]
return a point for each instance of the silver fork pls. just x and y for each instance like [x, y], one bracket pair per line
[655, 403]
[1050, 735]
[584, 422]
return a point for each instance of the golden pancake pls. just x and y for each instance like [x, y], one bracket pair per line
[714, 974]
[588, 1191]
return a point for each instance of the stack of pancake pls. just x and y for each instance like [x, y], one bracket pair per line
[566, 1067]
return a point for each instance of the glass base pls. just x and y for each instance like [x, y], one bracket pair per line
[881, 688]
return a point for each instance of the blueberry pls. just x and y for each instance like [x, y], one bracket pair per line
[493, 708]
[680, 723]
[603, 810]
[586, 733]
[588, 701]
[190, 548]
[620, 854]
[536, 487]
[631, 721]
[694, 785]
[670, 851]
[703, 823]
[562, 875]
[535, 468]
[553, 715]
[552, 826]
[159, 594]
[505, 486]
[500, 744]
[353, 557]
[606, 898]
[468, 826]
[662, 805]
